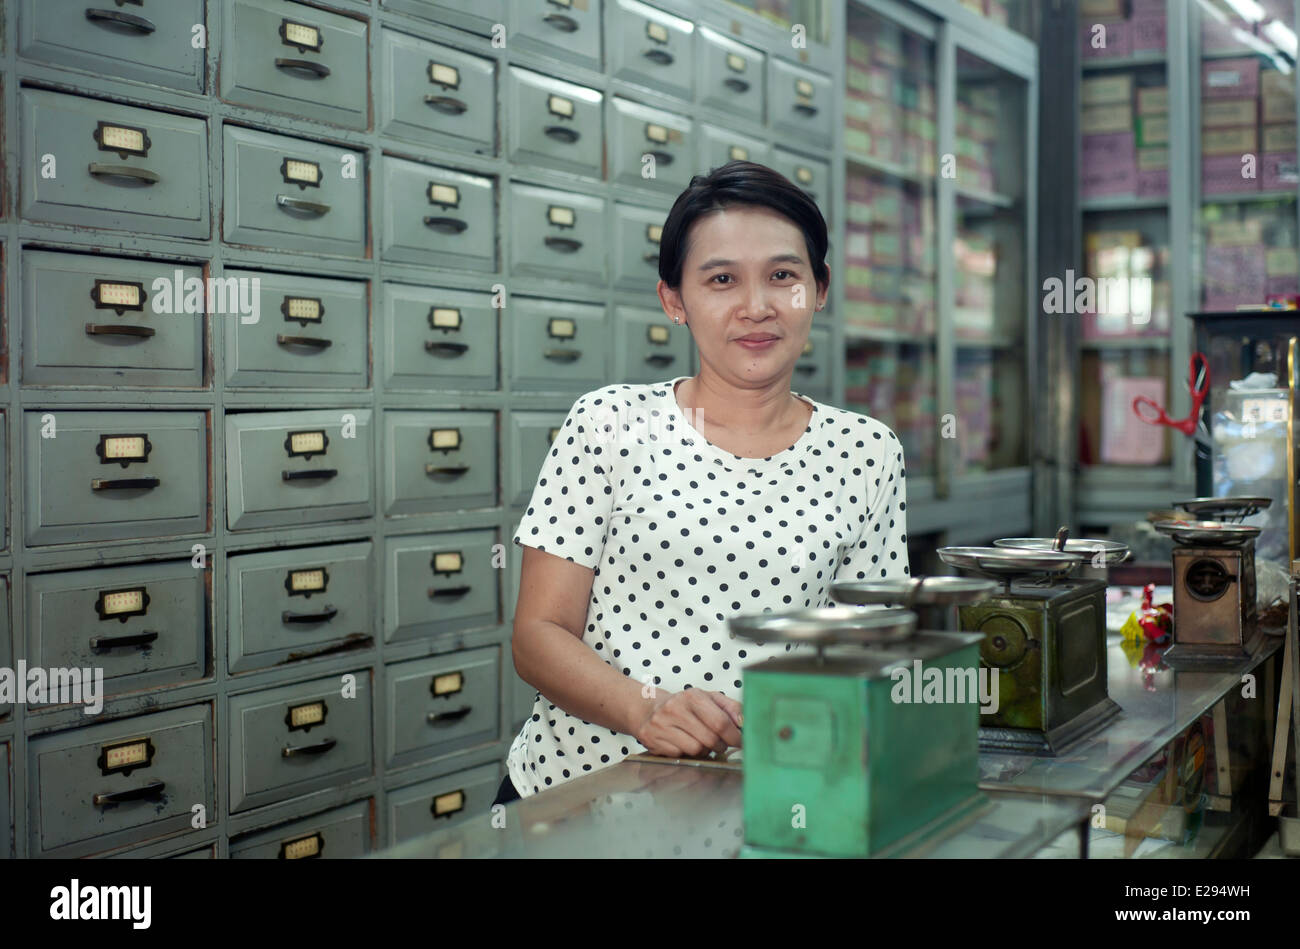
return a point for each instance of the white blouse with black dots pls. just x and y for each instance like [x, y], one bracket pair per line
[682, 535]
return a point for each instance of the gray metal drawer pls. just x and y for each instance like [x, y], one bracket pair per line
[800, 102]
[123, 782]
[206, 853]
[481, 18]
[812, 372]
[557, 346]
[439, 583]
[297, 59]
[554, 123]
[557, 234]
[144, 625]
[648, 347]
[436, 95]
[97, 321]
[438, 217]
[6, 810]
[812, 175]
[650, 47]
[111, 475]
[432, 805]
[730, 75]
[292, 194]
[291, 604]
[439, 461]
[295, 739]
[443, 704]
[338, 834]
[439, 339]
[91, 163]
[531, 434]
[719, 146]
[637, 232]
[285, 468]
[6, 643]
[310, 332]
[151, 41]
[650, 148]
[569, 30]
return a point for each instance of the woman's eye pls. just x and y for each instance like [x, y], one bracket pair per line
[721, 277]
[783, 275]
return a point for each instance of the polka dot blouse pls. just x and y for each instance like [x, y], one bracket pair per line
[682, 535]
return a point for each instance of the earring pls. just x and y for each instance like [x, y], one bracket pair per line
[676, 319]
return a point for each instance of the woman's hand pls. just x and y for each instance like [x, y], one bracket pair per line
[690, 723]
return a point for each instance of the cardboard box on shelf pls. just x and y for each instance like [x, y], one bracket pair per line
[1222, 174]
[1234, 141]
[1108, 165]
[1218, 113]
[1230, 79]
[1116, 117]
[1282, 262]
[1137, 8]
[1101, 90]
[1279, 138]
[1155, 158]
[1276, 108]
[1245, 233]
[1148, 34]
[1234, 275]
[1153, 100]
[1153, 183]
[1279, 172]
[1152, 130]
[1101, 8]
[1100, 39]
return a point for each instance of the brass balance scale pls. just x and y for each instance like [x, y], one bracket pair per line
[834, 763]
[1214, 581]
[1044, 634]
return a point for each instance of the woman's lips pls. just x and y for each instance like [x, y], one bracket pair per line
[758, 343]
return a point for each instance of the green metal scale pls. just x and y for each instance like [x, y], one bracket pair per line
[843, 756]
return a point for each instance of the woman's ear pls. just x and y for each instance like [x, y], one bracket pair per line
[671, 301]
[824, 289]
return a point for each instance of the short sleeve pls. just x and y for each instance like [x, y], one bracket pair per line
[881, 550]
[569, 512]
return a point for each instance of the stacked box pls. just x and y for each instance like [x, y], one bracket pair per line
[1109, 165]
[1110, 29]
[896, 384]
[976, 271]
[976, 135]
[889, 255]
[1277, 116]
[974, 398]
[1131, 297]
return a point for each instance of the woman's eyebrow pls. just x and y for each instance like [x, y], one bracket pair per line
[778, 259]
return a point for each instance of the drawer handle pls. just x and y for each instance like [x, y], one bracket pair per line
[129, 20]
[446, 471]
[449, 718]
[324, 616]
[318, 70]
[142, 175]
[650, 258]
[149, 792]
[660, 359]
[315, 474]
[562, 133]
[448, 105]
[114, 484]
[446, 225]
[118, 642]
[563, 355]
[736, 84]
[563, 245]
[444, 348]
[119, 329]
[806, 370]
[315, 342]
[289, 202]
[805, 108]
[663, 158]
[660, 57]
[561, 22]
[435, 592]
[289, 751]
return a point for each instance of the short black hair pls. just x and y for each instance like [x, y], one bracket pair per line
[741, 183]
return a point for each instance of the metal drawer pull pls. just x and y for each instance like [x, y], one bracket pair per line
[660, 57]
[447, 104]
[319, 70]
[736, 85]
[130, 20]
[313, 341]
[324, 616]
[289, 751]
[563, 355]
[448, 591]
[112, 484]
[564, 245]
[563, 23]
[119, 642]
[443, 348]
[446, 225]
[119, 329]
[650, 258]
[660, 359]
[150, 792]
[562, 134]
[448, 718]
[806, 108]
[806, 370]
[453, 471]
[316, 474]
[301, 204]
[142, 175]
[663, 158]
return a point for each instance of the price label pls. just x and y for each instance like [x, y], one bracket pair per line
[561, 327]
[300, 35]
[448, 76]
[306, 443]
[558, 105]
[656, 133]
[301, 848]
[656, 31]
[302, 308]
[657, 334]
[122, 138]
[307, 581]
[739, 153]
[654, 233]
[125, 756]
[445, 804]
[296, 171]
[304, 716]
[447, 196]
[444, 439]
[120, 602]
[736, 62]
[448, 683]
[560, 216]
[118, 296]
[123, 448]
[444, 318]
[447, 562]
[1265, 410]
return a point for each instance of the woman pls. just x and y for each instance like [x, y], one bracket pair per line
[663, 510]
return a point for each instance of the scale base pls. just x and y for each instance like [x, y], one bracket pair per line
[1288, 831]
[1054, 741]
[959, 815]
[1209, 657]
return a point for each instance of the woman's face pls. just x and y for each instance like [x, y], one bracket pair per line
[747, 293]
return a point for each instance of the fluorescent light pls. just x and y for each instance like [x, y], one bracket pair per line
[1248, 10]
[1282, 36]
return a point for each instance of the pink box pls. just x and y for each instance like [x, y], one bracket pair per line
[1137, 8]
[1281, 286]
[1108, 165]
[1230, 79]
[1235, 275]
[1147, 33]
[1278, 172]
[1153, 184]
[1221, 174]
[1118, 38]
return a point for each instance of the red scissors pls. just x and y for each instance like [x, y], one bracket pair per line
[1198, 384]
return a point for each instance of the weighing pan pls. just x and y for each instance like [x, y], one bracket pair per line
[1006, 562]
[916, 591]
[827, 626]
[1206, 533]
[1223, 509]
[1083, 549]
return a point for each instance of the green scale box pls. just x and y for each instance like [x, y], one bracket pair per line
[873, 776]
